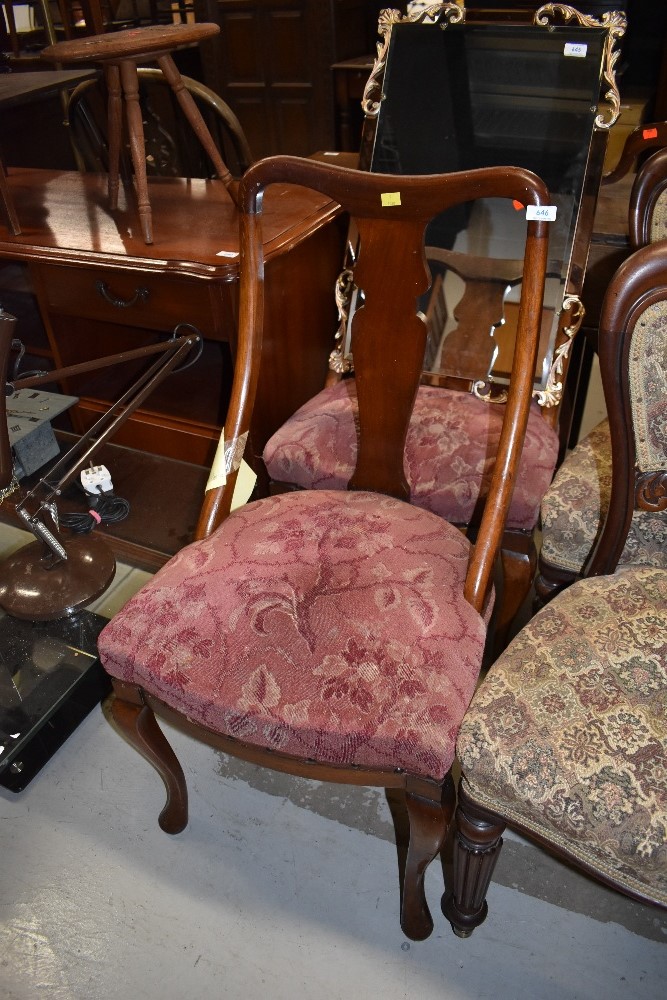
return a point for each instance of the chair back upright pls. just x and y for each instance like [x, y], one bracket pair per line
[391, 214]
[647, 219]
[633, 366]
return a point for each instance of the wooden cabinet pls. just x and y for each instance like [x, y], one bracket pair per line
[101, 290]
[272, 62]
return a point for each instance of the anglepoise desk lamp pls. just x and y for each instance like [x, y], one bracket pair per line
[55, 576]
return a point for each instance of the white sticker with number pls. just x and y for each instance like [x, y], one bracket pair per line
[541, 213]
[576, 49]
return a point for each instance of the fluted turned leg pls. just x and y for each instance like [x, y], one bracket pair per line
[138, 724]
[476, 849]
[135, 126]
[430, 811]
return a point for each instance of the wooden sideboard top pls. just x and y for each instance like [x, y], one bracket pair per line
[65, 218]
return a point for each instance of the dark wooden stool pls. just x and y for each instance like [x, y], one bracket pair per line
[119, 53]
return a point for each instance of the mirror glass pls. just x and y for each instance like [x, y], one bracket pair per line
[462, 96]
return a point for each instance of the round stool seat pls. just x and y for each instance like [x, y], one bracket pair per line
[119, 53]
[133, 43]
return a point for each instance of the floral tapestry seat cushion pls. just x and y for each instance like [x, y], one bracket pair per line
[450, 451]
[327, 625]
[567, 733]
[576, 503]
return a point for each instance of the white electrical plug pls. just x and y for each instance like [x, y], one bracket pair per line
[96, 479]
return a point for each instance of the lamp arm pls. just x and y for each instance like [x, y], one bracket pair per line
[82, 450]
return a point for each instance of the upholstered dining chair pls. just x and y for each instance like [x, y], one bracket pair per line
[452, 438]
[335, 634]
[566, 737]
[574, 506]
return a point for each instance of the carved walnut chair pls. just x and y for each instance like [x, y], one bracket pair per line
[574, 506]
[566, 737]
[335, 634]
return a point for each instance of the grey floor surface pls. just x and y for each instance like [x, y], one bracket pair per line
[266, 895]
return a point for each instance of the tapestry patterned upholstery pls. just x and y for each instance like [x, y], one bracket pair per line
[574, 507]
[648, 387]
[658, 226]
[449, 455]
[269, 631]
[567, 733]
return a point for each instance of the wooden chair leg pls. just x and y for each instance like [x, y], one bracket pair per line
[429, 818]
[477, 847]
[518, 559]
[138, 724]
[549, 582]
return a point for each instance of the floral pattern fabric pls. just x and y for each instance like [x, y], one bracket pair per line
[648, 387]
[449, 455]
[575, 505]
[567, 733]
[327, 625]
[658, 225]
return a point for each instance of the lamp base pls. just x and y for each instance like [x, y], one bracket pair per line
[33, 589]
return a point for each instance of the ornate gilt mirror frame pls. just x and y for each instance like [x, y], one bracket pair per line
[570, 313]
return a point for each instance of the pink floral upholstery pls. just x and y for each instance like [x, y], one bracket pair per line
[567, 735]
[450, 451]
[329, 625]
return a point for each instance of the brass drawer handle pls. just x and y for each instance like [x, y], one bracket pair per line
[140, 295]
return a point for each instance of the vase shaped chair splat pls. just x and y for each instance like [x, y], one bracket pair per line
[335, 634]
[574, 506]
[566, 738]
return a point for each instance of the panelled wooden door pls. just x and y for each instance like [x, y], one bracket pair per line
[272, 64]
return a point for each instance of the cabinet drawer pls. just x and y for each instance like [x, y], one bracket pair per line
[155, 302]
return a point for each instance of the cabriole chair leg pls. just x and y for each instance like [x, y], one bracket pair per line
[138, 724]
[430, 812]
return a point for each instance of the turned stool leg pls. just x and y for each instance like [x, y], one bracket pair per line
[114, 118]
[194, 116]
[130, 81]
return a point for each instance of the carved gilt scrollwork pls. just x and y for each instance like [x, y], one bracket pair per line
[489, 396]
[553, 391]
[443, 13]
[616, 23]
[340, 361]
[651, 491]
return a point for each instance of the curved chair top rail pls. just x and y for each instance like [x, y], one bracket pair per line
[391, 214]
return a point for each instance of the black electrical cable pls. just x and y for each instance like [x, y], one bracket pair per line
[104, 508]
